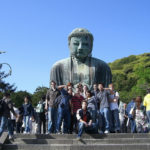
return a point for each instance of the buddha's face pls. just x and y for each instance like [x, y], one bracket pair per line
[80, 47]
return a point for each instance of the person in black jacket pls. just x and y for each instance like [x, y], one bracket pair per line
[27, 112]
[85, 120]
[5, 116]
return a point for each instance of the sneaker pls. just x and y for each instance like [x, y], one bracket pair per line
[49, 133]
[106, 131]
[100, 132]
[118, 131]
[11, 137]
[24, 132]
[58, 132]
[79, 138]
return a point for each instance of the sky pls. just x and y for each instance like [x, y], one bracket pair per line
[34, 34]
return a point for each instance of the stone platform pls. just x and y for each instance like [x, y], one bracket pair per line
[118, 141]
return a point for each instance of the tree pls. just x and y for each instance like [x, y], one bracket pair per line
[5, 87]
[37, 95]
[131, 76]
[18, 97]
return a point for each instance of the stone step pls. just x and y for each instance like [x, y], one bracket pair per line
[84, 136]
[82, 141]
[121, 141]
[78, 147]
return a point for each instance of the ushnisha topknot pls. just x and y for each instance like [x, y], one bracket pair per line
[80, 32]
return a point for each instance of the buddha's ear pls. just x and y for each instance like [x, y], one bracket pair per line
[69, 44]
[90, 54]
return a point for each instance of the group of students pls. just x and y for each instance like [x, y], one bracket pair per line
[66, 109]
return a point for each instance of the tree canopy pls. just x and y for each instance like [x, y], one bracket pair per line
[131, 76]
[5, 87]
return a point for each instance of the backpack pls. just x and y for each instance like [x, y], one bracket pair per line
[39, 108]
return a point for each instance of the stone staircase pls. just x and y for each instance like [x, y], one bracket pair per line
[88, 142]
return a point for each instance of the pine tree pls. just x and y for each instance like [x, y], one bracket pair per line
[5, 87]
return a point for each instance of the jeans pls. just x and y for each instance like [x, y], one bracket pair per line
[26, 120]
[93, 114]
[114, 120]
[41, 120]
[104, 119]
[132, 125]
[82, 127]
[73, 124]
[18, 127]
[52, 119]
[10, 127]
[123, 123]
[63, 113]
[148, 116]
[6, 123]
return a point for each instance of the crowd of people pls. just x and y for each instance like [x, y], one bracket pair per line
[66, 110]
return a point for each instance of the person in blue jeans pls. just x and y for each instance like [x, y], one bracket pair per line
[92, 105]
[51, 107]
[5, 116]
[130, 108]
[114, 112]
[64, 111]
[104, 111]
[27, 112]
[85, 121]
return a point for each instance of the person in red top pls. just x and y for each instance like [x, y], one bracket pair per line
[76, 104]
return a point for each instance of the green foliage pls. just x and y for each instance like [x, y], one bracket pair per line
[5, 87]
[131, 76]
[18, 97]
[39, 92]
[120, 63]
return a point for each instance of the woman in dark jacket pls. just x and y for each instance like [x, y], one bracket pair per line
[27, 112]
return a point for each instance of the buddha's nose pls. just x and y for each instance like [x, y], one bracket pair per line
[80, 47]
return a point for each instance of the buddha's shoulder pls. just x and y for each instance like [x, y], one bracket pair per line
[61, 62]
[99, 62]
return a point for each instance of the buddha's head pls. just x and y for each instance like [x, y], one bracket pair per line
[80, 43]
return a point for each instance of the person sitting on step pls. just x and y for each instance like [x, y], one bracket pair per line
[85, 121]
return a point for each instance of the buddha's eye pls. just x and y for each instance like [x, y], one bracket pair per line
[85, 44]
[76, 44]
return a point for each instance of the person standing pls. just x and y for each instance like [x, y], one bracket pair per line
[28, 112]
[5, 116]
[114, 113]
[130, 108]
[64, 110]
[41, 118]
[13, 118]
[51, 108]
[75, 105]
[103, 98]
[140, 117]
[123, 117]
[92, 105]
